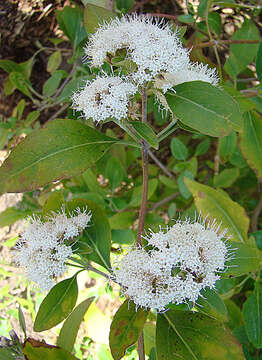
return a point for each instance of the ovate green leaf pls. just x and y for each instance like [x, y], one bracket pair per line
[205, 108]
[251, 142]
[216, 205]
[57, 304]
[126, 327]
[252, 312]
[94, 16]
[68, 333]
[65, 146]
[192, 336]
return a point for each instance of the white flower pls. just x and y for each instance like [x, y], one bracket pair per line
[103, 98]
[182, 261]
[148, 42]
[192, 72]
[42, 250]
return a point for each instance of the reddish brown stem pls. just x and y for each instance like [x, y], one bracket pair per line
[225, 42]
[142, 213]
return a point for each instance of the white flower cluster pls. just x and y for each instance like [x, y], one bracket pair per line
[41, 249]
[181, 261]
[151, 45]
[104, 98]
[154, 52]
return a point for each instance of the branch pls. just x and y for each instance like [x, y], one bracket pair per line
[162, 166]
[225, 42]
[142, 213]
[164, 201]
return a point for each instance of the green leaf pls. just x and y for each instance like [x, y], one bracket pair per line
[21, 319]
[149, 336]
[145, 132]
[115, 172]
[122, 220]
[11, 215]
[71, 21]
[178, 149]
[203, 147]
[125, 4]
[10, 66]
[51, 85]
[97, 236]
[70, 88]
[214, 22]
[32, 117]
[252, 313]
[259, 62]
[215, 204]
[20, 82]
[212, 305]
[95, 16]
[57, 304]
[123, 236]
[9, 87]
[68, 333]
[36, 350]
[226, 178]
[193, 336]
[137, 193]
[246, 259]
[251, 142]
[245, 104]
[205, 108]
[54, 202]
[126, 327]
[7, 354]
[227, 146]
[187, 18]
[241, 55]
[54, 61]
[65, 146]
[4, 133]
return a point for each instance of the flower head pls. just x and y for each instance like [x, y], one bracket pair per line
[104, 98]
[150, 44]
[182, 261]
[43, 247]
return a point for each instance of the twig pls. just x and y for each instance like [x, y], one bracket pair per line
[91, 268]
[255, 215]
[142, 212]
[225, 42]
[140, 347]
[164, 201]
[60, 111]
[59, 90]
[162, 166]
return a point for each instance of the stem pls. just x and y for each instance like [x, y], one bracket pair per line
[226, 42]
[164, 201]
[141, 348]
[162, 166]
[142, 213]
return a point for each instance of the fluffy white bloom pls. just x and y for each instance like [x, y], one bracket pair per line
[182, 261]
[152, 46]
[193, 72]
[42, 250]
[149, 43]
[104, 98]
